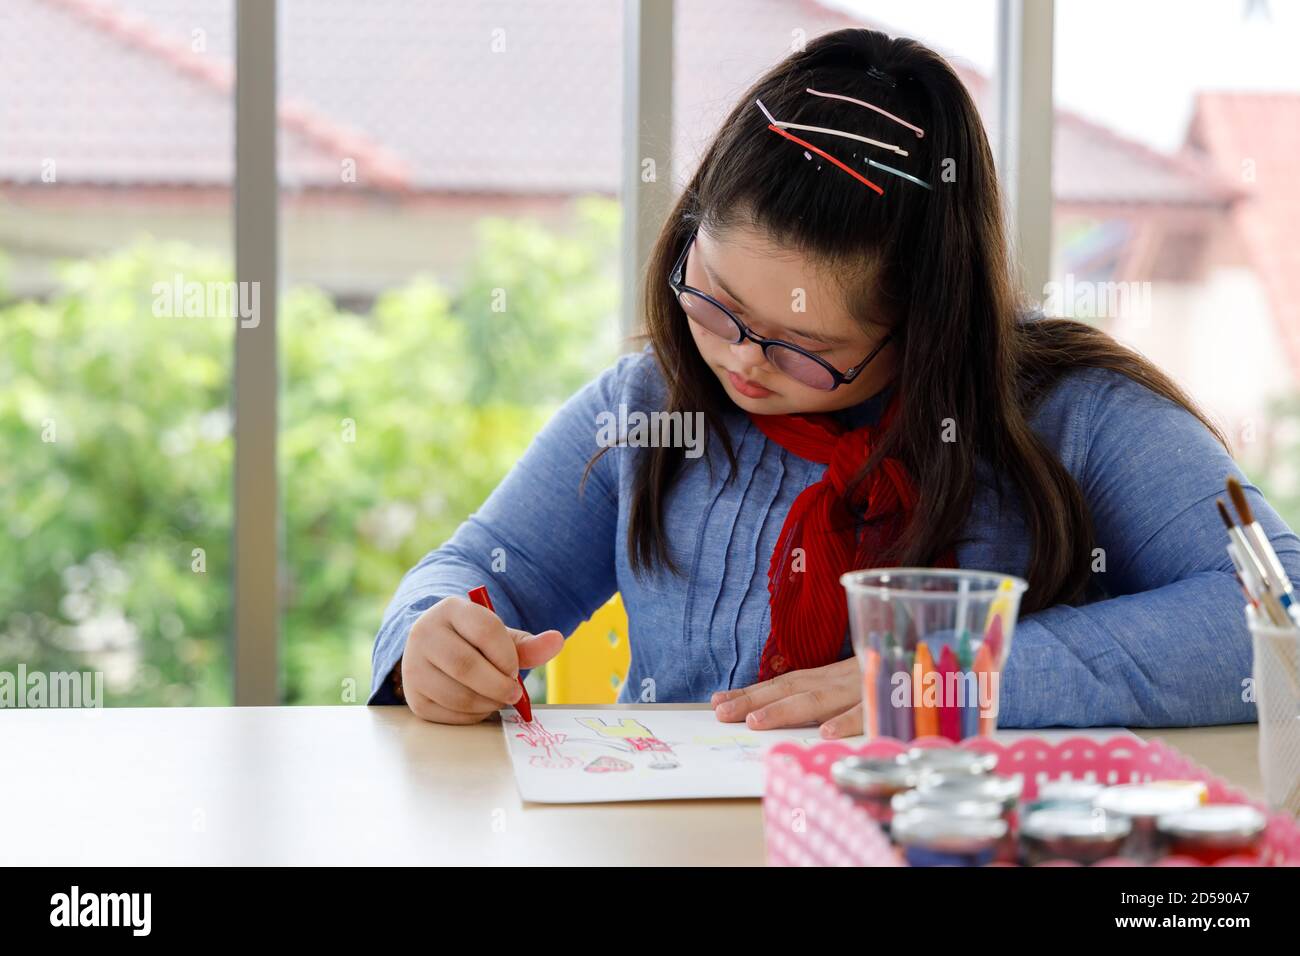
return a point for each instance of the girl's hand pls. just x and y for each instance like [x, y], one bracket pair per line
[830, 696]
[461, 662]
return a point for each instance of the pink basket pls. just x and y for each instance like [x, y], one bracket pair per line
[809, 821]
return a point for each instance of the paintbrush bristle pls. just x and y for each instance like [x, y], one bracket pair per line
[1223, 513]
[1239, 501]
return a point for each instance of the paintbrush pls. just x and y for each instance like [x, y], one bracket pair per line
[1252, 532]
[1253, 575]
[1238, 564]
[1239, 567]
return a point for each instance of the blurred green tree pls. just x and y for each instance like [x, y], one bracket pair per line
[1278, 471]
[116, 452]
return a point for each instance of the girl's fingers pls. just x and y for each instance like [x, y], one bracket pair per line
[455, 696]
[835, 687]
[462, 662]
[425, 682]
[847, 724]
[425, 708]
[798, 710]
[488, 633]
[745, 701]
[536, 649]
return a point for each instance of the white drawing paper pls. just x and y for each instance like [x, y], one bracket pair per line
[572, 755]
[599, 756]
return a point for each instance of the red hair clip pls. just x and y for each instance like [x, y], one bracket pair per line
[772, 125]
[777, 126]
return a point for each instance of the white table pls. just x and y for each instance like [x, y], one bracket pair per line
[353, 785]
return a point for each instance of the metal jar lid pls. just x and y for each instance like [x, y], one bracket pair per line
[1228, 824]
[952, 760]
[985, 788]
[1147, 800]
[946, 802]
[1069, 791]
[1075, 825]
[873, 776]
[942, 831]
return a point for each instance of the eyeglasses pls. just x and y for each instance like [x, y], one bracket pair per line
[714, 317]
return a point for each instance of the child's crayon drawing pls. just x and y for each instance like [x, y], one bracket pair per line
[574, 756]
[537, 736]
[608, 765]
[628, 735]
[638, 740]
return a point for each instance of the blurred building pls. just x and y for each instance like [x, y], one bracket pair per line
[404, 123]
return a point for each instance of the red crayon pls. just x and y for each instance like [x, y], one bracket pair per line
[949, 715]
[479, 596]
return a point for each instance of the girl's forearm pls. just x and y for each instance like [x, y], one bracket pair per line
[1175, 656]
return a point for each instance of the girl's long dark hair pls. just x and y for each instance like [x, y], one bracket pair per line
[933, 263]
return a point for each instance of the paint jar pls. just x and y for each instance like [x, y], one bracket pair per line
[873, 781]
[1213, 832]
[1062, 794]
[991, 787]
[957, 801]
[931, 644]
[934, 838]
[964, 790]
[1144, 804]
[1070, 792]
[1080, 834]
[948, 803]
[953, 761]
[1197, 787]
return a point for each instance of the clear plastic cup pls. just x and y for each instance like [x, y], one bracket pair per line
[1276, 673]
[931, 644]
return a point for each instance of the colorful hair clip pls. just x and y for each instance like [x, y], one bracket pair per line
[780, 127]
[849, 99]
[772, 125]
[832, 132]
[827, 156]
[839, 132]
[899, 172]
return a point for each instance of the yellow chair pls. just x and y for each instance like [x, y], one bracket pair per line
[595, 659]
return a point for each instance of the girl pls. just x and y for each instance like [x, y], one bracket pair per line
[839, 312]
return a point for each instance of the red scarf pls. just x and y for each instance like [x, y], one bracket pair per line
[809, 610]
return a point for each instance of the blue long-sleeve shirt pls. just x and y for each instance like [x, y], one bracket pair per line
[1167, 646]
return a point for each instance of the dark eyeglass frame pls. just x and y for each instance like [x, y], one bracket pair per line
[676, 282]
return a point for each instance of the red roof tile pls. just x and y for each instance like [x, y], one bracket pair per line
[112, 97]
[1254, 139]
[415, 94]
[1094, 164]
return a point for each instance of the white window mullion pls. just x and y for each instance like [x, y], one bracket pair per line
[1025, 126]
[647, 140]
[256, 505]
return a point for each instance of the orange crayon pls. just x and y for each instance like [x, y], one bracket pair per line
[869, 675]
[927, 716]
[984, 665]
